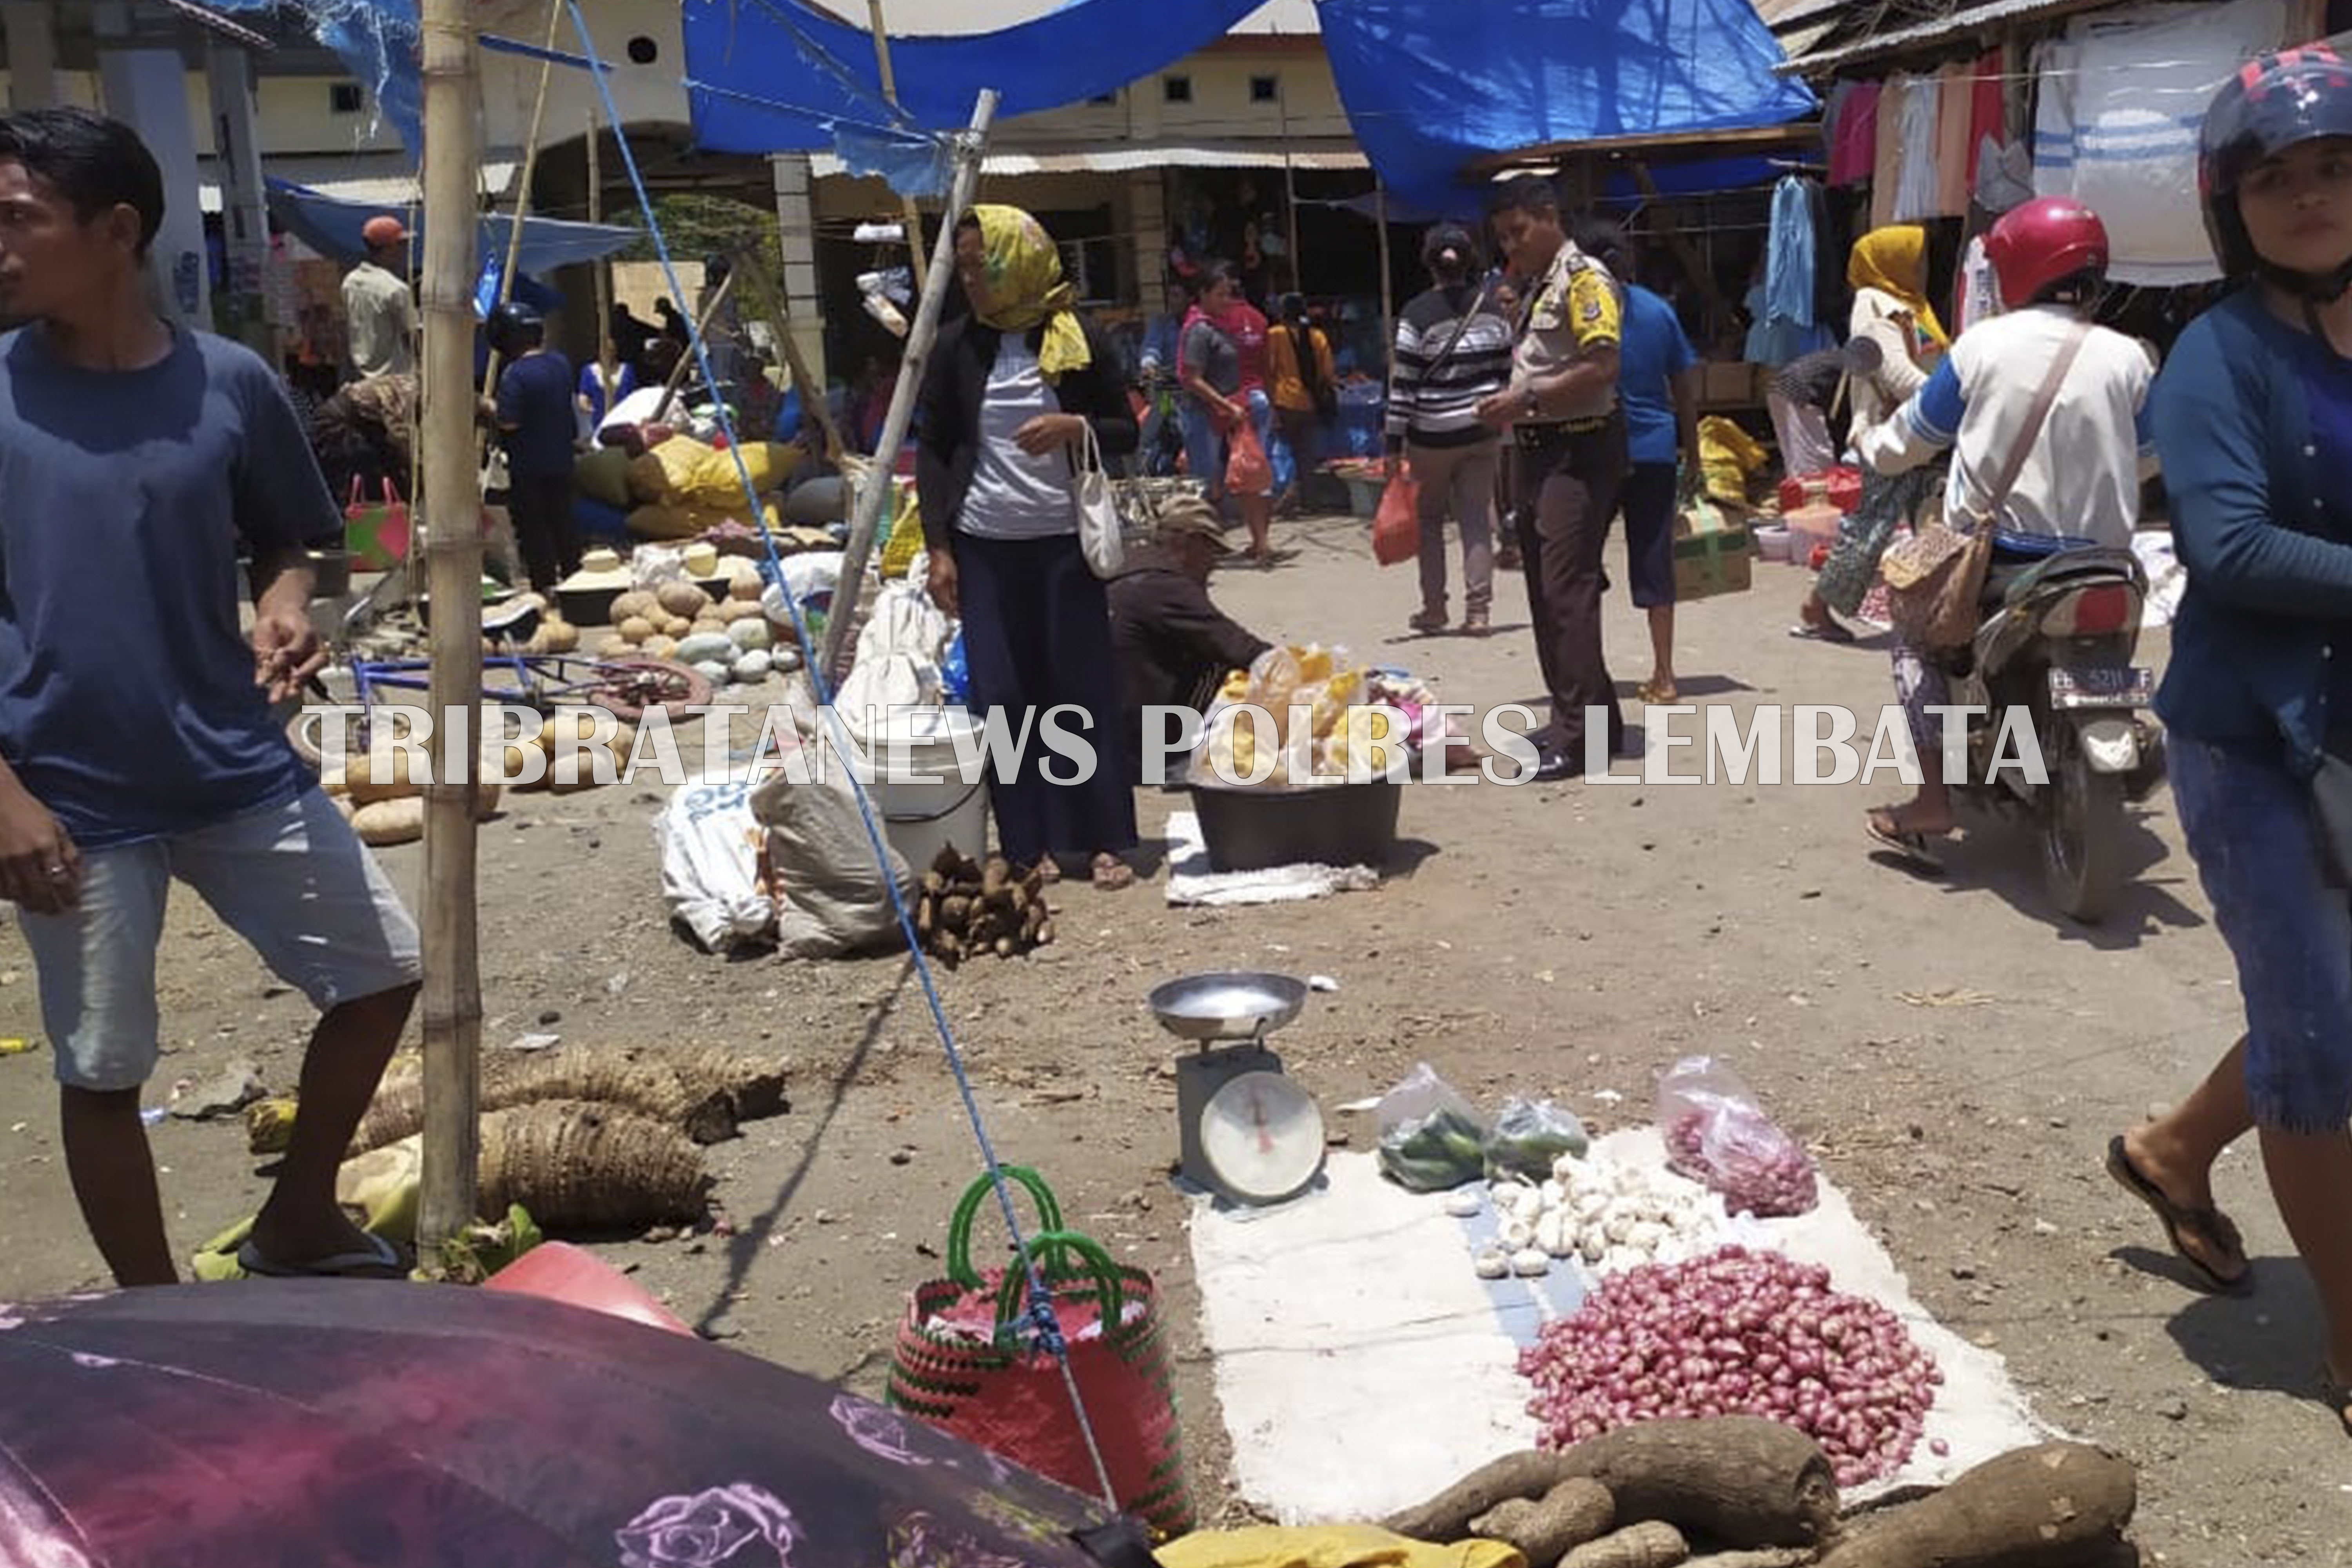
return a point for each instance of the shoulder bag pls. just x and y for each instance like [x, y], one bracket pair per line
[1934, 578]
[1100, 534]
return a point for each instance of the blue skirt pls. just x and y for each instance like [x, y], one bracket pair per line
[2250, 827]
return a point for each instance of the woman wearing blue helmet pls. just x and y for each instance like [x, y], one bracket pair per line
[2254, 423]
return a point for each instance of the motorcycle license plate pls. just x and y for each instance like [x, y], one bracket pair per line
[2102, 687]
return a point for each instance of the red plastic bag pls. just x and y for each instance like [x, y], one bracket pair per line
[956, 1365]
[1396, 527]
[1247, 470]
[1840, 487]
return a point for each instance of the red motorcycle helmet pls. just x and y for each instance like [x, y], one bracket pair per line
[2048, 241]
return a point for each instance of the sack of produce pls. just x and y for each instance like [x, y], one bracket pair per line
[1717, 1134]
[1530, 1136]
[1431, 1138]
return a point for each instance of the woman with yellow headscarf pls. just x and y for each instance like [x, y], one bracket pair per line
[1012, 389]
[1888, 270]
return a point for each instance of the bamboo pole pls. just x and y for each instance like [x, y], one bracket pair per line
[868, 515]
[911, 215]
[522, 183]
[453, 550]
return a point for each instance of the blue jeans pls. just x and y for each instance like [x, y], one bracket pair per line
[2250, 829]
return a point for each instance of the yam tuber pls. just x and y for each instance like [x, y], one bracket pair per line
[1762, 1557]
[703, 1093]
[579, 1165]
[1733, 1481]
[2055, 1505]
[1652, 1544]
[1443, 1519]
[1571, 1514]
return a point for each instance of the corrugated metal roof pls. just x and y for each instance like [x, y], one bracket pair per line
[1928, 34]
[1122, 160]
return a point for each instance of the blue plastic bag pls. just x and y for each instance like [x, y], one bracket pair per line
[955, 675]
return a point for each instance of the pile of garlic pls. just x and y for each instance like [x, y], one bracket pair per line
[1608, 1216]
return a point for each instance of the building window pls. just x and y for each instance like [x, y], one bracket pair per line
[345, 97]
[1265, 88]
[643, 50]
[1177, 89]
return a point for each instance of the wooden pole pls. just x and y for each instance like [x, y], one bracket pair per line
[687, 362]
[602, 268]
[1388, 281]
[911, 215]
[868, 516]
[1289, 189]
[452, 505]
[522, 185]
[814, 406]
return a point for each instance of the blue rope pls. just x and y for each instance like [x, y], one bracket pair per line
[1046, 1329]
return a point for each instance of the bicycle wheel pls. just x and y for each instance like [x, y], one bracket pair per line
[625, 688]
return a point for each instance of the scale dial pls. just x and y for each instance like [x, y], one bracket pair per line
[1263, 1136]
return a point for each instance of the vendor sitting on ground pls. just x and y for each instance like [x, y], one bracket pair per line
[1175, 646]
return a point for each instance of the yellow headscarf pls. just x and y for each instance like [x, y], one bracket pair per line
[1895, 261]
[1025, 287]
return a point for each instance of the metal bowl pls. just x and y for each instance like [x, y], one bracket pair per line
[1227, 1005]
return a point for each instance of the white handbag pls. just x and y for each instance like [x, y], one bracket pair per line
[1099, 533]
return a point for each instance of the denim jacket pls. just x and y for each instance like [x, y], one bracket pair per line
[2269, 575]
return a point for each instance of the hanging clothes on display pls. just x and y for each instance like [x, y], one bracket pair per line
[1915, 189]
[1790, 324]
[1887, 154]
[1955, 147]
[1978, 288]
[1987, 113]
[2117, 125]
[1853, 131]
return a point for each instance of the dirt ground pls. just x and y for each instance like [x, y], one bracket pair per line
[1957, 1055]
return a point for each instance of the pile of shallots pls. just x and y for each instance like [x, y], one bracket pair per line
[1737, 1333]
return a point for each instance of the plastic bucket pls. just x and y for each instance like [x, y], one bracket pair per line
[932, 804]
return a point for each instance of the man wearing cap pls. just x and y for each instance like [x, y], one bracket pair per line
[1173, 645]
[377, 304]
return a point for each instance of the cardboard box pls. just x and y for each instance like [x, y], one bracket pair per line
[1722, 560]
[1728, 383]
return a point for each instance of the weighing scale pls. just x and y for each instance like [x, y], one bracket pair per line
[1246, 1132]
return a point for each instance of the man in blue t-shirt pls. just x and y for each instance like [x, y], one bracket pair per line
[137, 461]
[1657, 381]
[535, 425]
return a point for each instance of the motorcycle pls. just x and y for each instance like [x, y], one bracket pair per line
[2054, 656]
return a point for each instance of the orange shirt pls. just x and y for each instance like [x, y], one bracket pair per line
[1285, 384]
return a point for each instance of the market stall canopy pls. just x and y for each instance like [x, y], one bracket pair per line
[1431, 86]
[779, 76]
[332, 227]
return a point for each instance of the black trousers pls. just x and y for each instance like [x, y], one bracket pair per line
[540, 508]
[1567, 484]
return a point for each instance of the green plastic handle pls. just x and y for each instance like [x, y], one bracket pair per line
[1049, 1216]
[1011, 1296]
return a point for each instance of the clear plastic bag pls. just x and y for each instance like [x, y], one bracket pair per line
[1716, 1133]
[1530, 1135]
[1431, 1138]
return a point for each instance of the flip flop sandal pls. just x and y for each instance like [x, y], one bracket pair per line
[1112, 875]
[1656, 696]
[378, 1254]
[1828, 631]
[1912, 846]
[2210, 1226]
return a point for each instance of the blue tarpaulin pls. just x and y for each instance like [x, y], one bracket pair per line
[332, 227]
[380, 41]
[1431, 85]
[776, 75]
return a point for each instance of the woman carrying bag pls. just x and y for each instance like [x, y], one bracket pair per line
[1008, 401]
[1306, 391]
[1221, 361]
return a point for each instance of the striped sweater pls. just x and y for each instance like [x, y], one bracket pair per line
[1435, 404]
